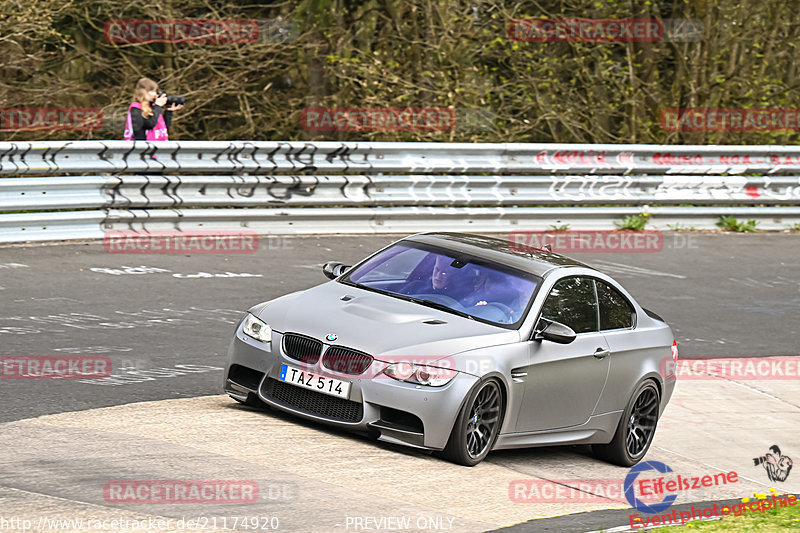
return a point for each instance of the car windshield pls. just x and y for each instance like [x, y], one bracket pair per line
[448, 280]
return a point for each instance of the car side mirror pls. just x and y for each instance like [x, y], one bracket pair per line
[556, 332]
[334, 269]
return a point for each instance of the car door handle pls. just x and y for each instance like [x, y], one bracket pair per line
[600, 353]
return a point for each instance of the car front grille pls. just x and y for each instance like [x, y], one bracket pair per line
[346, 361]
[302, 348]
[313, 403]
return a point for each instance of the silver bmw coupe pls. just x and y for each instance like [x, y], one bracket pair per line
[460, 344]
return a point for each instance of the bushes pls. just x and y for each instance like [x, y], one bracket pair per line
[406, 53]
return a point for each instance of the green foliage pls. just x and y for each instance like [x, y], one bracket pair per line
[633, 222]
[407, 53]
[559, 227]
[730, 223]
[771, 512]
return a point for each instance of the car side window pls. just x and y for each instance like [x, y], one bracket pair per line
[573, 302]
[615, 311]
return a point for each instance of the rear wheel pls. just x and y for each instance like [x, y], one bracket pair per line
[477, 425]
[635, 430]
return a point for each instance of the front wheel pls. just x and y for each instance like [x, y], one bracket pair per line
[635, 430]
[477, 425]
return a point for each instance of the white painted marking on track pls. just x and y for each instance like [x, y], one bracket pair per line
[632, 270]
[314, 267]
[144, 318]
[13, 265]
[131, 375]
[93, 349]
[130, 270]
[54, 299]
[217, 275]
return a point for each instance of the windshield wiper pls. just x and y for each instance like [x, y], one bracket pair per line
[437, 305]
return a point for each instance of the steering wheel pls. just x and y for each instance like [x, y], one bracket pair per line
[441, 299]
[506, 310]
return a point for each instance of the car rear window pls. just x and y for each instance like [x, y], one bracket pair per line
[615, 311]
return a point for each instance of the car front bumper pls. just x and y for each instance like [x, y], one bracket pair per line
[399, 412]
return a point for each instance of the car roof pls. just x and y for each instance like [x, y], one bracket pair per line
[534, 260]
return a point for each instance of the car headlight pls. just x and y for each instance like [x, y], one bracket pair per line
[431, 376]
[258, 329]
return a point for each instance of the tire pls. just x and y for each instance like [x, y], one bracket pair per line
[477, 426]
[635, 430]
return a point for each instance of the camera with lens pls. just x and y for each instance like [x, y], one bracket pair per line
[173, 100]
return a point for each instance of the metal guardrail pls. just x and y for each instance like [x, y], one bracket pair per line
[137, 191]
[359, 220]
[254, 157]
[344, 187]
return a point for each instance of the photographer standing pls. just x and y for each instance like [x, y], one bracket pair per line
[147, 119]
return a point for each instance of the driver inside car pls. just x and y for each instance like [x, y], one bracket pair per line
[495, 298]
[472, 288]
[453, 282]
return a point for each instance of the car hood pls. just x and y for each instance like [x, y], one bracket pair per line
[377, 324]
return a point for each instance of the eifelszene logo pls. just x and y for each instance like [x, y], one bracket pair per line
[776, 464]
[630, 495]
[669, 486]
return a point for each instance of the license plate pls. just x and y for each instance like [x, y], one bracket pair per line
[308, 380]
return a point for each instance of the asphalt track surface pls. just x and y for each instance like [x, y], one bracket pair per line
[165, 322]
